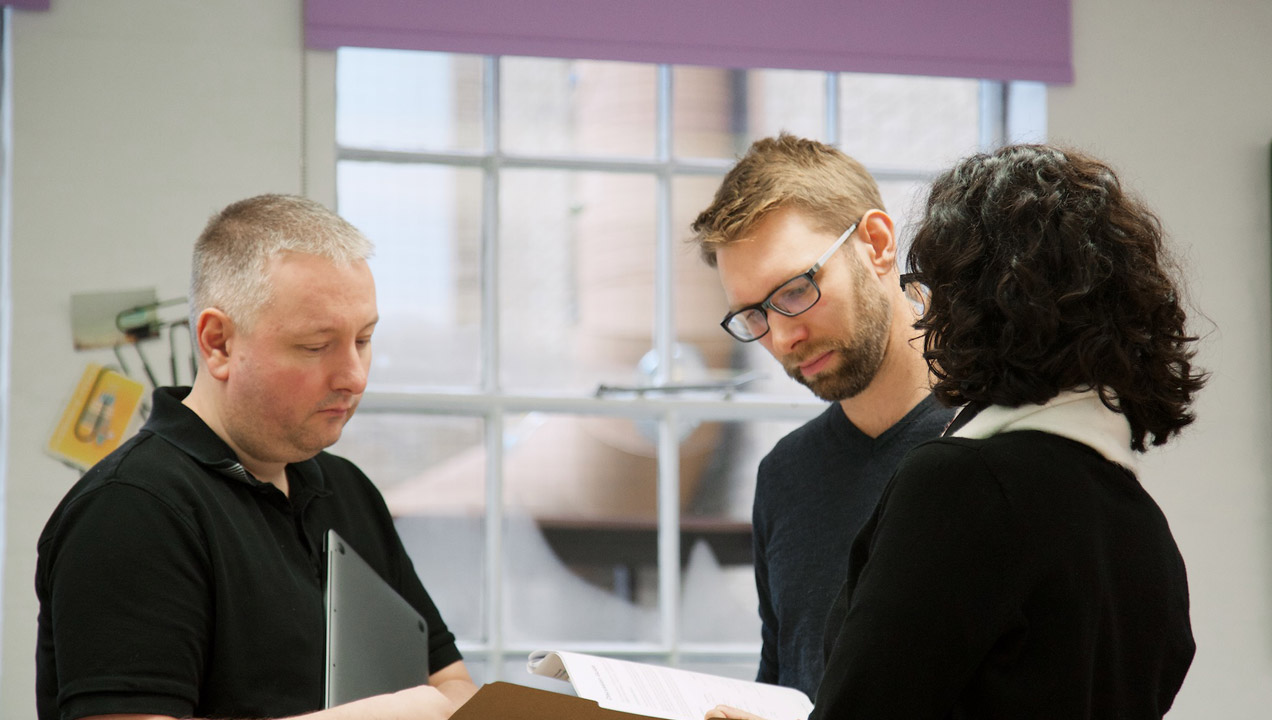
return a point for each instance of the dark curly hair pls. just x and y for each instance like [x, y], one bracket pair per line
[1046, 276]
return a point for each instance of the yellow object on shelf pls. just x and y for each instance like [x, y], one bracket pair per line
[97, 417]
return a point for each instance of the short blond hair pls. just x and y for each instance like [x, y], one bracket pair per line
[786, 172]
[234, 250]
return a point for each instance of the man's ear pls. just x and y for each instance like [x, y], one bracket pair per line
[215, 335]
[877, 232]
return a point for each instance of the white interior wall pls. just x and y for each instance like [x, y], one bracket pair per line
[1176, 95]
[134, 120]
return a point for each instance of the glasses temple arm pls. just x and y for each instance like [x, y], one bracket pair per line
[826, 255]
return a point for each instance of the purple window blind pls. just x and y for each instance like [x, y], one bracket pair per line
[994, 39]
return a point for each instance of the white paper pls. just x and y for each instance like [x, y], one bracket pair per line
[665, 692]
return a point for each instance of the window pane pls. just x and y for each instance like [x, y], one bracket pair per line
[431, 470]
[406, 100]
[718, 112]
[905, 200]
[699, 297]
[580, 536]
[577, 277]
[577, 107]
[718, 597]
[704, 118]
[908, 123]
[424, 222]
[790, 100]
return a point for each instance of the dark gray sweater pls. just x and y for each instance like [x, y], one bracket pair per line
[814, 491]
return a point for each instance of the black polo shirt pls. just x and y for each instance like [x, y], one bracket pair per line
[173, 582]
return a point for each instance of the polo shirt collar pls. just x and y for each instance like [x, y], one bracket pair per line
[184, 429]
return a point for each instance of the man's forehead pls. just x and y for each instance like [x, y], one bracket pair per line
[323, 324]
[310, 292]
[755, 264]
[312, 261]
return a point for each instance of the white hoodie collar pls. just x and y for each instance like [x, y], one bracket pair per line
[1078, 416]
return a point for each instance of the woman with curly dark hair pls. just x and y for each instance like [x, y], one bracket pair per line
[1015, 568]
[1045, 277]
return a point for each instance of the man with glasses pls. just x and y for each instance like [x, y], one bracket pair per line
[808, 260]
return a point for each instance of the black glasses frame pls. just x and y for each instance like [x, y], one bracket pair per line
[767, 304]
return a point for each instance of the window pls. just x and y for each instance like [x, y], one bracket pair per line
[530, 217]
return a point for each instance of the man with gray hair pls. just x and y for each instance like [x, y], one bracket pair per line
[182, 575]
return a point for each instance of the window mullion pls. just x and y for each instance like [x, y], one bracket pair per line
[664, 320]
[664, 341]
[494, 541]
[832, 109]
[1025, 112]
[490, 228]
[490, 369]
[993, 114]
[669, 533]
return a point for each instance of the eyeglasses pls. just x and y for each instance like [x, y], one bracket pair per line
[917, 292]
[800, 293]
[791, 298]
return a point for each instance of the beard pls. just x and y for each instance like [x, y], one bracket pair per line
[856, 362]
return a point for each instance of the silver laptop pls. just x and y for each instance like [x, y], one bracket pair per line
[376, 642]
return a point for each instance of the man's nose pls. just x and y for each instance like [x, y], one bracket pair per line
[785, 333]
[351, 373]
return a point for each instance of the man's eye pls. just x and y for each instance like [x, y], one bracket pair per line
[792, 294]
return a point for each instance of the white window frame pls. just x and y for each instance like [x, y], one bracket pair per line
[1008, 110]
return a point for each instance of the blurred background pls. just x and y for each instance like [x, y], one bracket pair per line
[530, 217]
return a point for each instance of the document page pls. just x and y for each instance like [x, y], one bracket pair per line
[662, 692]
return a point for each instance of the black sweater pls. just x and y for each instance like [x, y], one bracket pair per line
[1019, 576]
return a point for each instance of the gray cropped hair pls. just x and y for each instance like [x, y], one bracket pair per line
[232, 253]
